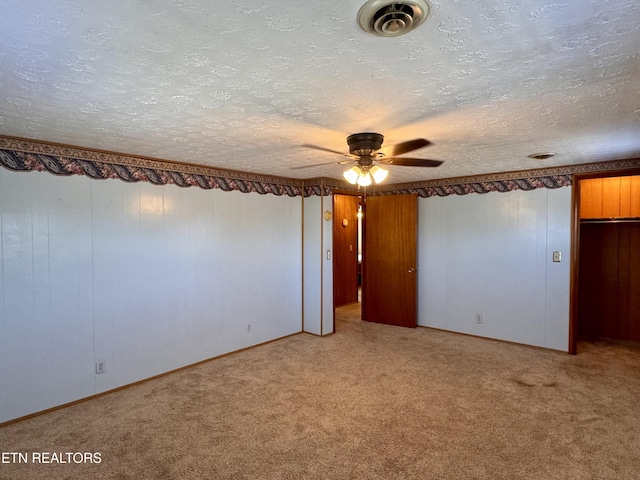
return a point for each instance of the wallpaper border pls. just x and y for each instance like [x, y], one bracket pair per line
[552, 177]
[28, 155]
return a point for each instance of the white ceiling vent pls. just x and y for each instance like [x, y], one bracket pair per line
[390, 19]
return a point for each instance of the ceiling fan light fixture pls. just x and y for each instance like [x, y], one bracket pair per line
[366, 149]
[365, 176]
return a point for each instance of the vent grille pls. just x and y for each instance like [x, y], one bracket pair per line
[385, 18]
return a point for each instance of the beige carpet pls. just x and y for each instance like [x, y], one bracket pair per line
[369, 402]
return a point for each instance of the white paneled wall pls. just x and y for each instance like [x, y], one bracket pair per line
[152, 278]
[318, 269]
[313, 265]
[491, 254]
[149, 278]
[327, 269]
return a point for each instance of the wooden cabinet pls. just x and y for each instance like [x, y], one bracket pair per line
[610, 197]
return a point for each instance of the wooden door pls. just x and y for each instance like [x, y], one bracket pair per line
[345, 249]
[389, 268]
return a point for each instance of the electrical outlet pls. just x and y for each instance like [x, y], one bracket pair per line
[248, 328]
[478, 318]
[101, 366]
[557, 256]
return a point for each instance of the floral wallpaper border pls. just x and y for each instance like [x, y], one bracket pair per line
[553, 177]
[26, 155]
[484, 184]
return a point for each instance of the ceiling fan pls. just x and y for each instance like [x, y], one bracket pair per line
[367, 151]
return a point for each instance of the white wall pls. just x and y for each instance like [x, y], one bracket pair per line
[327, 269]
[318, 269]
[149, 278]
[492, 254]
[153, 278]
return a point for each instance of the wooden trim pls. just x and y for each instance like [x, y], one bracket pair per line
[611, 220]
[340, 191]
[625, 172]
[573, 267]
[139, 382]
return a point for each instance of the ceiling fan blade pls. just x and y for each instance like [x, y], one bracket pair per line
[321, 164]
[404, 147]
[410, 162]
[328, 150]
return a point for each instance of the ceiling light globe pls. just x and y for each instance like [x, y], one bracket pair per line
[352, 175]
[364, 180]
[378, 174]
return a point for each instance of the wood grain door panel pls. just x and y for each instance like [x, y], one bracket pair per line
[390, 260]
[609, 270]
[345, 249]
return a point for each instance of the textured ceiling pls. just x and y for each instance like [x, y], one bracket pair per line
[243, 84]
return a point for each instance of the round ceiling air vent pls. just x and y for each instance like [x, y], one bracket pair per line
[390, 19]
[542, 155]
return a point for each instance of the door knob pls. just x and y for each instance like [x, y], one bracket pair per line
[411, 270]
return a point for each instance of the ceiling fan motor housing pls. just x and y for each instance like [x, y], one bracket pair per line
[364, 144]
[386, 18]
